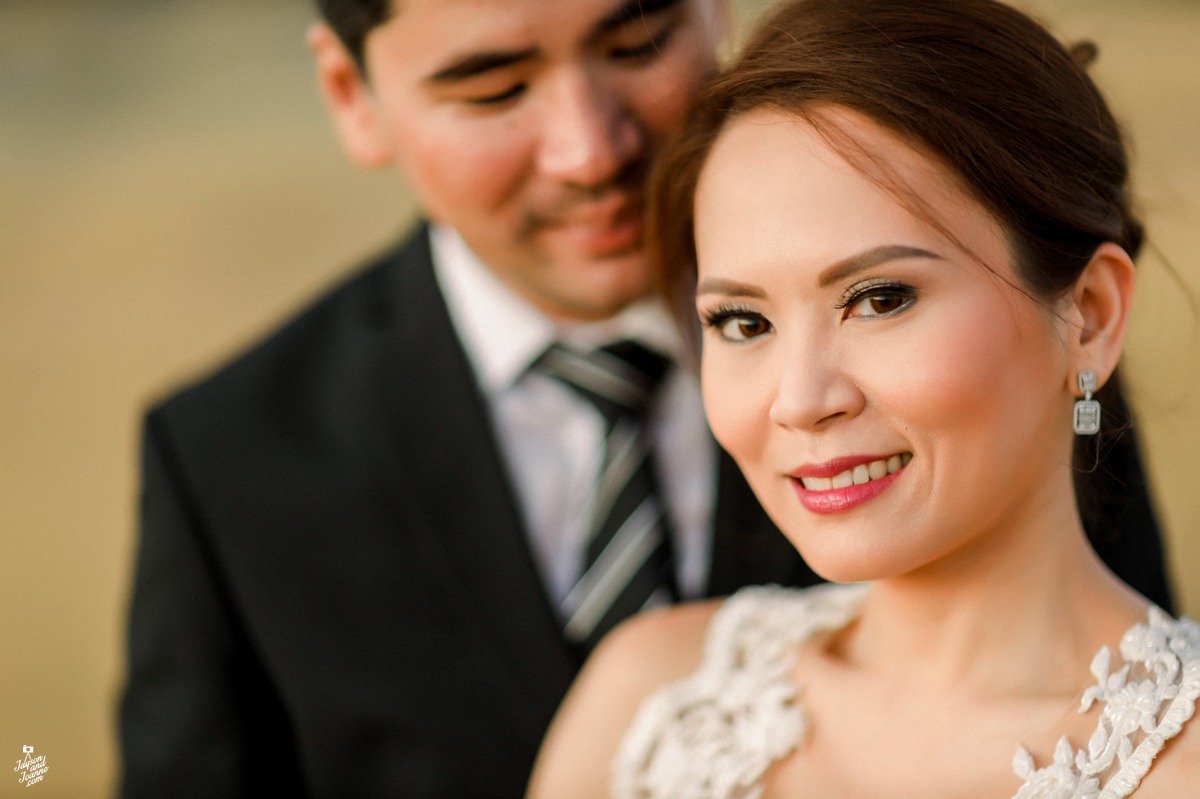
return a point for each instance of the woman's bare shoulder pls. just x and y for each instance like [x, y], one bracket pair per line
[1176, 770]
[640, 656]
[654, 648]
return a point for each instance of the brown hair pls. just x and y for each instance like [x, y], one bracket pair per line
[979, 87]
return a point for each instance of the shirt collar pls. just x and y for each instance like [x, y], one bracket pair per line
[481, 306]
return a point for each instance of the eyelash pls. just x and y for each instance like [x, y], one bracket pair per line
[653, 45]
[876, 288]
[497, 99]
[716, 318]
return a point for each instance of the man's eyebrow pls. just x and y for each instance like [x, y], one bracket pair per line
[472, 64]
[631, 10]
[463, 67]
[865, 260]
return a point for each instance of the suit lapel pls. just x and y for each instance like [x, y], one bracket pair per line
[443, 453]
[445, 450]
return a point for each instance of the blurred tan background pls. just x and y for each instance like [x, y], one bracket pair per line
[169, 190]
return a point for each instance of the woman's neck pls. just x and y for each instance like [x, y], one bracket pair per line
[1022, 612]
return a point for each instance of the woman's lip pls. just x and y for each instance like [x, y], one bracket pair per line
[836, 500]
[837, 465]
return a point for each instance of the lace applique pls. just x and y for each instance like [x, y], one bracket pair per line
[1146, 701]
[715, 733]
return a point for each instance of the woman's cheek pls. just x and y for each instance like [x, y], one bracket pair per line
[945, 362]
[712, 384]
[736, 402]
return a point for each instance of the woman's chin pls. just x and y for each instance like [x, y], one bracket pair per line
[858, 564]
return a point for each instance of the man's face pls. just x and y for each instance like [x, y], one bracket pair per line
[528, 125]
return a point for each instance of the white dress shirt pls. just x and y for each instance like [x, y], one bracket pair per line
[552, 439]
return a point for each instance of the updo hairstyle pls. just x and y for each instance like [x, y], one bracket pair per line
[977, 86]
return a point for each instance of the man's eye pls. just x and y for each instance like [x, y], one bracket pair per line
[639, 51]
[497, 98]
[644, 48]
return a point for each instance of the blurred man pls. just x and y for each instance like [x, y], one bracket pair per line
[368, 560]
[376, 548]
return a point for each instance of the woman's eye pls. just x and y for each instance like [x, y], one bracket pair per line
[740, 326]
[871, 301]
[879, 305]
[744, 328]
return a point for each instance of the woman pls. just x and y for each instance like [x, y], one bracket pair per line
[905, 227]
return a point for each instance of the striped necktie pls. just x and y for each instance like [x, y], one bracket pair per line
[628, 564]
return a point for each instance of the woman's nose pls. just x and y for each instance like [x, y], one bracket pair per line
[815, 388]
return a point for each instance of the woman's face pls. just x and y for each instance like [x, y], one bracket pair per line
[890, 400]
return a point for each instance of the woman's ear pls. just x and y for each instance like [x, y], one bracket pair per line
[351, 104]
[1099, 311]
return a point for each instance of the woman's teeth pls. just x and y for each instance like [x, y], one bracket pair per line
[862, 473]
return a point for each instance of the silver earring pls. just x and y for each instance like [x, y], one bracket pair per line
[1087, 410]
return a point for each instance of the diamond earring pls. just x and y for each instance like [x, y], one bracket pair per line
[1087, 410]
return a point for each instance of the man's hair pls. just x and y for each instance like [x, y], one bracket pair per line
[352, 20]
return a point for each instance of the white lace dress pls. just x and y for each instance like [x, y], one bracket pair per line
[713, 735]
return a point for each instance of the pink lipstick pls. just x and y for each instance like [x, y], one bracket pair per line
[845, 483]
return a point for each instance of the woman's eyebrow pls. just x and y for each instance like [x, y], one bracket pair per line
[729, 288]
[873, 257]
[839, 271]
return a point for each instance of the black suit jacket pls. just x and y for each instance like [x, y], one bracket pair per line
[334, 594]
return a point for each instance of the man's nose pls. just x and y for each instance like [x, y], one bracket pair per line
[589, 131]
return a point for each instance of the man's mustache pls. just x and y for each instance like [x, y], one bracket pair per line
[629, 182]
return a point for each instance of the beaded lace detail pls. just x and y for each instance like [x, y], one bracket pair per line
[714, 734]
[1147, 699]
